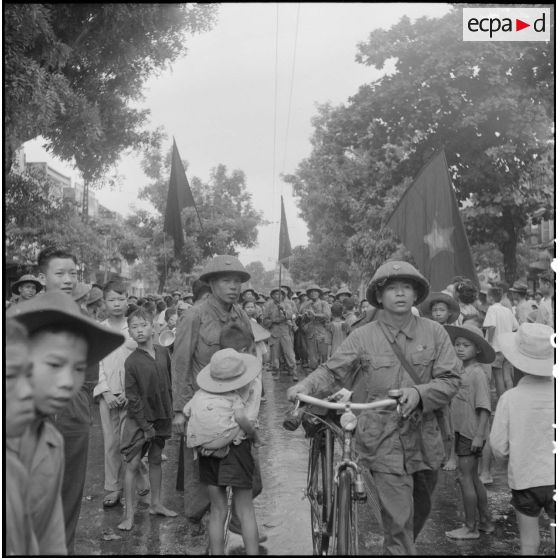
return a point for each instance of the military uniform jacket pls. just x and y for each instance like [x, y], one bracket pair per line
[197, 338]
[275, 318]
[316, 327]
[385, 443]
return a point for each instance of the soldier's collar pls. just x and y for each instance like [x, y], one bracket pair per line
[408, 329]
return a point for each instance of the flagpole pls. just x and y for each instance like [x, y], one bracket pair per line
[165, 260]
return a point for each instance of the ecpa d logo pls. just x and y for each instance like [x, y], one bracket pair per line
[506, 24]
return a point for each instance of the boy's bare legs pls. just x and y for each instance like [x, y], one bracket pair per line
[498, 375]
[451, 463]
[468, 470]
[485, 461]
[244, 507]
[155, 480]
[129, 490]
[217, 518]
[529, 536]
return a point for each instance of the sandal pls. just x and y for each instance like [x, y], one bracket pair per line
[112, 499]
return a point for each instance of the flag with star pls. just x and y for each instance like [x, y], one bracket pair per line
[428, 223]
[284, 241]
[179, 196]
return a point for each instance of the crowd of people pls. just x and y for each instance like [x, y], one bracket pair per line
[474, 366]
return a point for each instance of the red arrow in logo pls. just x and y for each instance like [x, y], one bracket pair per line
[519, 25]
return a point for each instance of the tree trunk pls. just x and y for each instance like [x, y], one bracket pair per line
[509, 246]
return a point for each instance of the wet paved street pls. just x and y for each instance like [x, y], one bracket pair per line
[281, 511]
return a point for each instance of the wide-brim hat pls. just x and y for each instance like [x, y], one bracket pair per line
[343, 291]
[314, 288]
[395, 270]
[529, 349]
[95, 294]
[433, 298]
[228, 370]
[486, 353]
[260, 333]
[249, 290]
[278, 289]
[221, 265]
[26, 279]
[81, 290]
[57, 308]
[519, 287]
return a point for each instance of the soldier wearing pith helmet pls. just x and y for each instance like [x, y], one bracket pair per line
[203, 330]
[403, 456]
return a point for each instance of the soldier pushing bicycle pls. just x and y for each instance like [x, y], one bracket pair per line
[404, 450]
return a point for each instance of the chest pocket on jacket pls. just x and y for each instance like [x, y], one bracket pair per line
[422, 358]
[210, 331]
[381, 374]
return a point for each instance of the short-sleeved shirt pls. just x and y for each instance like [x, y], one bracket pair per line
[522, 430]
[473, 394]
[502, 319]
[148, 386]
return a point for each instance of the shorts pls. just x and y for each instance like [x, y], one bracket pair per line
[463, 446]
[530, 501]
[236, 469]
[133, 440]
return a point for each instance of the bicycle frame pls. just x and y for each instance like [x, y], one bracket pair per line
[343, 484]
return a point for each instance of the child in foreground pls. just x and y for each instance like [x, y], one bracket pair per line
[522, 431]
[221, 427]
[149, 414]
[62, 344]
[470, 411]
[19, 535]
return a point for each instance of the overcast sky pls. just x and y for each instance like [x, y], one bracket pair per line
[219, 101]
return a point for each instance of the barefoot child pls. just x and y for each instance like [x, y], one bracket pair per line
[522, 430]
[470, 411]
[149, 413]
[222, 428]
[62, 344]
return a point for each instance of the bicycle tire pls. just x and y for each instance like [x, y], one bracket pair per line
[346, 535]
[319, 490]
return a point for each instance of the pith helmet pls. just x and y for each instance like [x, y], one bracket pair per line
[342, 291]
[220, 265]
[314, 288]
[396, 270]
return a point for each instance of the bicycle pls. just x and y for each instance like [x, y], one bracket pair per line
[334, 491]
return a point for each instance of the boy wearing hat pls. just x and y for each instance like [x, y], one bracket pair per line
[221, 422]
[26, 287]
[441, 308]
[522, 305]
[522, 430]
[63, 343]
[148, 421]
[470, 410]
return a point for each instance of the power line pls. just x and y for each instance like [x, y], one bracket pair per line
[291, 90]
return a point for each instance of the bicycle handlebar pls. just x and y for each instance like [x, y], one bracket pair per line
[381, 404]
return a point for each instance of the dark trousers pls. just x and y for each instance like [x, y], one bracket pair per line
[74, 423]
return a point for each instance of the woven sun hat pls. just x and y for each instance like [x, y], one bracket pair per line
[529, 349]
[94, 295]
[519, 287]
[473, 334]
[448, 300]
[228, 370]
[28, 278]
[57, 308]
[81, 290]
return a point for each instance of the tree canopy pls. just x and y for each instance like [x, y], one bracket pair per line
[74, 71]
[488, 105]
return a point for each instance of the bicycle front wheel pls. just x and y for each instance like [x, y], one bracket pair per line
[347, 516]
[319, 490]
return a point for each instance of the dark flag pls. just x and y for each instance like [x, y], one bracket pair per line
[179, 197]
[428, 223]
[284, 242]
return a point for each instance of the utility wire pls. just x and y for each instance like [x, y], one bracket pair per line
[291, 92]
